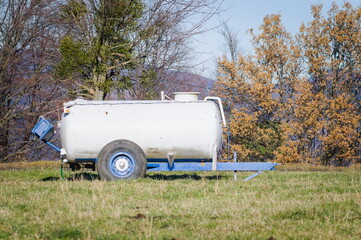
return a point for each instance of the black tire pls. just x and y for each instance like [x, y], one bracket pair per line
[121, 159]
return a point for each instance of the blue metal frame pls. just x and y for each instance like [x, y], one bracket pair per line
[53, 146]
[160, 160]
[252, 176]
[93, 160]
[221, 166]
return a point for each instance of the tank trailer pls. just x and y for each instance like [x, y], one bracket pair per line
[125, 139]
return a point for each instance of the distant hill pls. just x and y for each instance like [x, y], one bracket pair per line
[186, 82]
[172, 81]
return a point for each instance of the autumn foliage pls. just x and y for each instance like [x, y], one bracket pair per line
[297, 98]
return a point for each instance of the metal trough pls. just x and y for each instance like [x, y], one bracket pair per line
[45, 132]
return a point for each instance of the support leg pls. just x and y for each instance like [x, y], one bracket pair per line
[214, 158]
[252, 176]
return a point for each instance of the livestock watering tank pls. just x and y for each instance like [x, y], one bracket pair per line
[124, 139]
[189, 130]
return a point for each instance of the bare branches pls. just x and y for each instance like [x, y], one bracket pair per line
[26, 54]
[232, 42]
[167, 30]
[151, 35]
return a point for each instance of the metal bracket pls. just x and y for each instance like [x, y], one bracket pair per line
[235, 160]
[252, 176]
[170, 157]
[53, 146]
[214, 158]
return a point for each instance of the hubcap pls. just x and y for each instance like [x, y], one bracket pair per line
[121, 164]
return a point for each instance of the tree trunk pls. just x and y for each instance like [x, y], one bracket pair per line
[98, 95]
[4, 118]
[99, 83]
[4, 133]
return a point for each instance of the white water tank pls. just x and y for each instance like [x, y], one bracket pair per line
[187, 128]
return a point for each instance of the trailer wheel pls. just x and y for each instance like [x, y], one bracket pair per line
[121, 159]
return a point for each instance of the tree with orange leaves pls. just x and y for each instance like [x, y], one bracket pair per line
[332, 52]
[298, 100]
[259, 88]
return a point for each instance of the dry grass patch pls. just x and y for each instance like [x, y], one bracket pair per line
[29, 165]
[311, 167]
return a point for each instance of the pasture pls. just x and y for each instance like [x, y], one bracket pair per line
[36, 204]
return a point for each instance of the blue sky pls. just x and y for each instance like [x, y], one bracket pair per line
[243, 15]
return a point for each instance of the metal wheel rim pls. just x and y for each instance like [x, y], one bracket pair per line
[121, 164]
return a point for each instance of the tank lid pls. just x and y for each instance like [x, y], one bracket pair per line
[186, 96]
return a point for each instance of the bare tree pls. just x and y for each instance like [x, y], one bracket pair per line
[26, 53]
[231, 42]
[167, 49]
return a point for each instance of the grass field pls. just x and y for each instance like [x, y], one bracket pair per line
[36, 204]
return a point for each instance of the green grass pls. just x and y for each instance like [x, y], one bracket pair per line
[36, 204]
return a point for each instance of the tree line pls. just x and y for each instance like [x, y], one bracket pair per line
[296, 98]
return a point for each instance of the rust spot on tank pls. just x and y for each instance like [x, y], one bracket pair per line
[152, 150]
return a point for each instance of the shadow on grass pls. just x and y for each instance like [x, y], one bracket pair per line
[182, 176]
[88, 176]
[82, 176]
[50, 179]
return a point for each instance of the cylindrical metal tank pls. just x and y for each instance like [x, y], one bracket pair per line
[189, 130]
